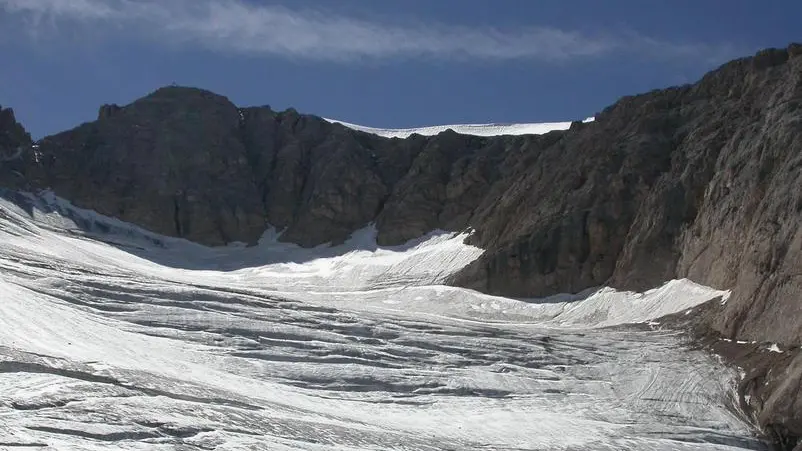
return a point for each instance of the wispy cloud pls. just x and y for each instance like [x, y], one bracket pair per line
[246, 28]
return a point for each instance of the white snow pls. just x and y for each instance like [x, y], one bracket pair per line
[775, 348]
[112, 337]
[465, 129]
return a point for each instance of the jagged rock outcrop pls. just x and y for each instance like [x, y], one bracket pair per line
[172, 162]
[13, 137]
[700, 181]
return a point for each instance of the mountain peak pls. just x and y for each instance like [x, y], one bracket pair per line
[178, 92]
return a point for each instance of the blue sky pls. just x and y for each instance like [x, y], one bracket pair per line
[382, 63]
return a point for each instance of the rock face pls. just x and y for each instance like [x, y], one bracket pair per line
[188, 163]
[701, 181]
[13, 137]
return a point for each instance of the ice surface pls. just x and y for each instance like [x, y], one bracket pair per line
[112, 337]
[465, 129]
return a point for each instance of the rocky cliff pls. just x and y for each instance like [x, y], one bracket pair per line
[14, 140]
[700, 181]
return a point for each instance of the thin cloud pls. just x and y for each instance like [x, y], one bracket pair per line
[245, 28]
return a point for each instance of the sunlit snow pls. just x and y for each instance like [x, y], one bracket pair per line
[465, 129]
[114, 338]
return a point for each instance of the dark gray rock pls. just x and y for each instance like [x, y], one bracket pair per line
[172, 162]
[16, 151]
[13, 137]
[107, 111]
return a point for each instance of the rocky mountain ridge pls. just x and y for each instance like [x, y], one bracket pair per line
[700, 181]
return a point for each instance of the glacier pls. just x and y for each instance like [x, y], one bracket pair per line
[491, 129]
[112, 337]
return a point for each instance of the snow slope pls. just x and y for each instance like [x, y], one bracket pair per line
[465, 129]
[115, 338]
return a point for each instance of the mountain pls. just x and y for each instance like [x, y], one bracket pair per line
[700, 181]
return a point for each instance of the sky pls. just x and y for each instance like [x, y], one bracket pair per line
[380, 63]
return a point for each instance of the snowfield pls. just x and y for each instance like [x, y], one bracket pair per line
[115, 338]
[465, 129]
